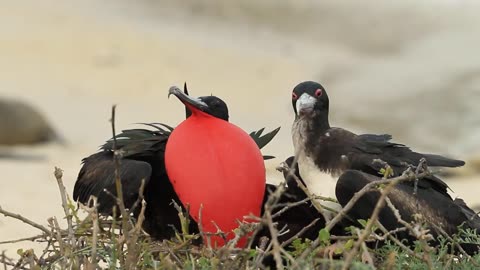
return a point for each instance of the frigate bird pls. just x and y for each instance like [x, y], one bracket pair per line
[143, 157]
[322, 149]
[216, 168]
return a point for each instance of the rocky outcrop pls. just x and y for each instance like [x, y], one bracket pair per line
[20, 123]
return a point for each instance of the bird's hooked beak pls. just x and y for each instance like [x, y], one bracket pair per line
[194, 104]
[305, 104]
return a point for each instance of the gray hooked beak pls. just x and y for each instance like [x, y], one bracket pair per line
[305, 104]
[191, 102]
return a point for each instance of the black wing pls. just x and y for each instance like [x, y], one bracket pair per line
[145, 142]
[142, 157]
[262, 141]
[140, 143]
[140, 150]
[98, 174]
[399, 154]
[370, 152]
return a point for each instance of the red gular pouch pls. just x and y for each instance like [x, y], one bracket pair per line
[215, 164]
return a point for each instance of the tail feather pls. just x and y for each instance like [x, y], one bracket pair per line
[441, 161]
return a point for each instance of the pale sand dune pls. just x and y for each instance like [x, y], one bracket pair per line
[73, 59]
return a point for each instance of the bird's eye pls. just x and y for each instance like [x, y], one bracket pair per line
[294, 96]
[318, 92]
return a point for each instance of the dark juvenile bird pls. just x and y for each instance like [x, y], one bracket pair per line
[143, 157]
[322, 149]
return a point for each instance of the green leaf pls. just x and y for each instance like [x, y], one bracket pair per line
[382, 186]
[363, 222]
[324, 236]
[350, 229]
[348, 245]
[386, 172]
[297, 244]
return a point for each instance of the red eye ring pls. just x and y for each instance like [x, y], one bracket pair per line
[294, 96]
[318, 92]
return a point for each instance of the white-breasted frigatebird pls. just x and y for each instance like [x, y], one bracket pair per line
[143, 157]
[322, 149]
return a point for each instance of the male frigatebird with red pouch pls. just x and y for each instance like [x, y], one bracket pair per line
[215, 168]
[143, 157]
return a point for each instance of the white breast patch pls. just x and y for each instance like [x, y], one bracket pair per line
[318, 183]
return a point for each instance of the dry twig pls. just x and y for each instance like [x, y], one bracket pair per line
[406, 176]
[300, 233]
[372, 220]
[63, 193]
[24, 220]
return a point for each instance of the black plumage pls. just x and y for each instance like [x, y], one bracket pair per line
[440, 214]
[337, 151]
[334, 150]
[142, 157]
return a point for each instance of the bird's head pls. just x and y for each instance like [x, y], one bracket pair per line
[211, 105]
[309, 99]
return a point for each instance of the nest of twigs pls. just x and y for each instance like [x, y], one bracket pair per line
[94, 242]
[90, 241]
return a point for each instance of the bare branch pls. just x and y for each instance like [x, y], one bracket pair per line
[368, 228]
[63, 194]
[300, 233]
[320, 208]
[289, 206]
[406, 176]
[276, 248]
[24, 220]
[31, 238]
[397, 242]
[94, 215]
[58, 236]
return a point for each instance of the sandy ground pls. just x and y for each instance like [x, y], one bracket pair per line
[74, 59]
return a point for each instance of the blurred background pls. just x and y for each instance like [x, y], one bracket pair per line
[409, 68]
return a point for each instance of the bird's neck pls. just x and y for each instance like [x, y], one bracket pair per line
[320, 123]
[306, 128]
[197, 114]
